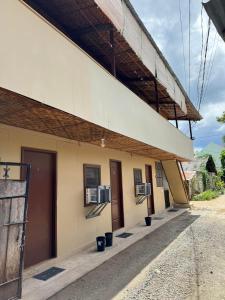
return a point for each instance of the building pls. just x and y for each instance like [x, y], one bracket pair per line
[200, 174]
[86, 98]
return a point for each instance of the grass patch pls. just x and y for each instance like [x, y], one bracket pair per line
[207, 195]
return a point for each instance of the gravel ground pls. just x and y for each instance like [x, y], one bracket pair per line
[183, 259]
[193, 266]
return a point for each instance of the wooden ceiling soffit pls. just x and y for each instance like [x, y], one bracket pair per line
[86, 24]
[19, 111]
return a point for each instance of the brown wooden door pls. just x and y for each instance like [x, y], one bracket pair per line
[150, 199]
[117, 195]
[40, 230]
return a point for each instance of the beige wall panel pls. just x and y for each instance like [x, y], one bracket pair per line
[113, 10]
[74, 230]
[41, 63]
[132, 31]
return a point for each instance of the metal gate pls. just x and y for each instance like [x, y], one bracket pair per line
[13, 211]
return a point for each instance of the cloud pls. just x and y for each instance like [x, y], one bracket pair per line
[163, 22]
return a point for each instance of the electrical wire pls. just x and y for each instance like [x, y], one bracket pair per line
[211, 63]
[201, 62]
[204, 65]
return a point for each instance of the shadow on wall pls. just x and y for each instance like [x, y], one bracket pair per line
[107, 280]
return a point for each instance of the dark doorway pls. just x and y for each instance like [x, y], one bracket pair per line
[167, 198]
[117, 195]
[40, 230]
[150, 199]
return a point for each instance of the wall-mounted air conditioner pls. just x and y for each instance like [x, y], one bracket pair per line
[143, 189]
[92, 195]
[104, 194]
[98, 195]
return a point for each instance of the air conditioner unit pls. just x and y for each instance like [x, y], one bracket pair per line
[92, 195]
[98, 195]
[148, 189]
[143, 189]
[104, 194]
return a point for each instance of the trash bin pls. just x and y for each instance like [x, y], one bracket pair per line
[148, 221]
[100, 243]
[109, 239]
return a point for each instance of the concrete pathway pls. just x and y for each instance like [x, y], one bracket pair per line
[183, 259]
[106, 281]
[85, 260]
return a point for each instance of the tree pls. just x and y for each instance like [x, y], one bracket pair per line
[222, 120]
[222, 156]
[210, 165]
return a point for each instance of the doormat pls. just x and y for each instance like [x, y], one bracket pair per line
[172, 210]
[49, 273]
[157, 218]
[124, 235]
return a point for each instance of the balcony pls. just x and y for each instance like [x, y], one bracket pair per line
[50, 85]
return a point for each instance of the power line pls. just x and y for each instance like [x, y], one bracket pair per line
[182, 35]
[200, 67]
[211, 63]
[204, 65]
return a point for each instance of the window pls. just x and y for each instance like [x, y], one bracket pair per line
[92, 178]
[137, 178]
[159, 174]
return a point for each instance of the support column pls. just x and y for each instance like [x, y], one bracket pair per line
[175, 114]
[113, 61]
[156, 95]
[190, 128]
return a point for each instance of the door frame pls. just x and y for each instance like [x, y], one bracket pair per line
[54, 227]
[122, 215]
[152, 189]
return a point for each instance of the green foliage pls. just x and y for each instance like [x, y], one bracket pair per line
[210, 165]
[220, 185]
[205, 179]
[206, 196]
[222, 157]
[222, 120]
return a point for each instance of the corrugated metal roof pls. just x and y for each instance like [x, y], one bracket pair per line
[216, 12]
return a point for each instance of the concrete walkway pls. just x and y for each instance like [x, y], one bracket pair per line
[107, 280]
[183, 259]
[86, 260]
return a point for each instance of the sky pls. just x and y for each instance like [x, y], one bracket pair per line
[162, 19]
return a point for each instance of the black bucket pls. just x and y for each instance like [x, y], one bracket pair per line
[100, 243]
[148, 221]
[109, 239]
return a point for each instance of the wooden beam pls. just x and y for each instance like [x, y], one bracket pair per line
[91, 29]
[113, 59]
[138, 80]
[156, 95]
[167, 97]
[175, 114]
[161, 102]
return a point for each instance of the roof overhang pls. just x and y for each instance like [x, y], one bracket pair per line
[23, 112]
[216, 12]
[139, 62]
